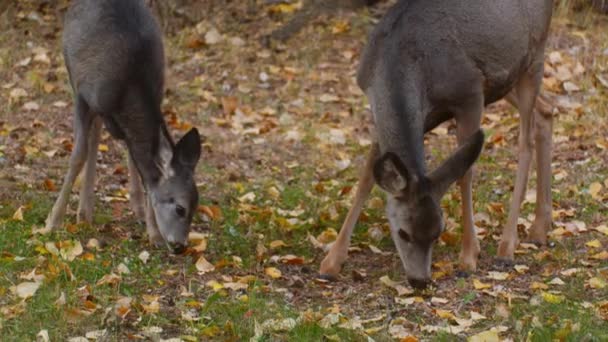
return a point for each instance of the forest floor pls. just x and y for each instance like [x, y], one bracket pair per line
[286, 130]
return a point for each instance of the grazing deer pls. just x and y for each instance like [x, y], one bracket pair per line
[427, 62]
[114, 55]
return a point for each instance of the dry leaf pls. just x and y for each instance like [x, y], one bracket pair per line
[485, 336]
[203, 266]
[273, 272]
[480, 286]
[18, 215]
[597, 283]
[26, 289]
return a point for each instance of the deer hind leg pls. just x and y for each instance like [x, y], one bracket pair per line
[332, 263]
[87, 193]
[136, 191]
[543, 137]
[524, 99]
[83, 120]
[468, 121]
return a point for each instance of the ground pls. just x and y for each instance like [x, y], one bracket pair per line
[286, 130]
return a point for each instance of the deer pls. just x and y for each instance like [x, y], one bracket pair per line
[427, 62]
[114, 56]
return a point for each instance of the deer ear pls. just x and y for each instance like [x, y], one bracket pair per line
[390, 174]
[457, 164]
[187, 151]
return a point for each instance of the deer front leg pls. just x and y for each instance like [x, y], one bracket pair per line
[87, 191]
[151, 227]
[527, 90]
[331, 265]
[136, 192]
[543, 131]
[468, 122]
[82, 127]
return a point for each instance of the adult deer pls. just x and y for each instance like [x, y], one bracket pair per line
[114, 55]
[430, 61]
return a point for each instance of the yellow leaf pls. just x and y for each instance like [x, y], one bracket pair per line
[594, 244]
[600, 256]
[340, 27]
[597, 283]
[103, 148]
[277, 244]
[480, 286]
[536, 286]
[444, 314]
[594, 190]
[18, 215]
[284, 8]
[328, 235]
[552, 298]
[521, 268]
[602, 229]
[152, 308]
[273, 272]
[215, 285]
[485, 336]
[203, 266]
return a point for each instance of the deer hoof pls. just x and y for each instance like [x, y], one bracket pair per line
[503, 263]
[326, 278]
[330, 267]
[462, 274]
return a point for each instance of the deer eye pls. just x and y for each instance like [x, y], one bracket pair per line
[180, 211]
[405, 236]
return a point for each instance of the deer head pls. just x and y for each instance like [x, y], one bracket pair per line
[413, 204]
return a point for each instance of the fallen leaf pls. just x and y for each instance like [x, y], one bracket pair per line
[277, 244]
[273, 272]
[600, 256]
[594, 244]
[480, 286]
[110, 279]
[144, 256]
[602, 229]
[203, 266]
[536, 286]
[485, 336]
[552, 298]
[597, 283]
[26, 289]
[18, 215]
[152, 308]
[401, 290]
[42, 336]
[498, 275]
[594, 190]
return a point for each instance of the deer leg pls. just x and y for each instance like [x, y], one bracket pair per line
[527, 91]
[465, 127]
[332, 263]
[87, 194]
[543, 219]
[136, 191]
[151, 227]
[82, 127]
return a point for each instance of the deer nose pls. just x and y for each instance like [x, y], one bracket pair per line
[419, 284]
[177, 247]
